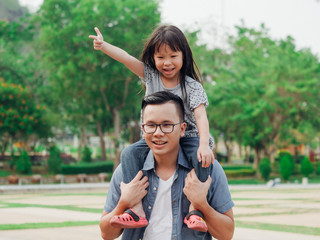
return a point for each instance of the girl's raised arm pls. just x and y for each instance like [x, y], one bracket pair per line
[132, 63]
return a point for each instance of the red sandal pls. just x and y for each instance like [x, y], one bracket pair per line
[194, 220]
[129, 219]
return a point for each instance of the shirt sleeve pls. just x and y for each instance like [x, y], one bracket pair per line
[149, 74]
[114, 191]
[197, 95]
[220, 197]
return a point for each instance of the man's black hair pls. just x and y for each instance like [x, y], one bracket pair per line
[164, 97]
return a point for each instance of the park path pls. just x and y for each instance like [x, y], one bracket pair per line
[284, 212]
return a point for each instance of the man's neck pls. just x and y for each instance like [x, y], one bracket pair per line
[165, 166]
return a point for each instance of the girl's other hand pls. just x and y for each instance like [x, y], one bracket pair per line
[97, 40]
[205, 155]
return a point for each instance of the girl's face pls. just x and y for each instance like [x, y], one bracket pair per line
[168, 63]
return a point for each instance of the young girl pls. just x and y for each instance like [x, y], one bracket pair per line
[167, 64]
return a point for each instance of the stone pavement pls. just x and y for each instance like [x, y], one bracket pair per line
[287, 212]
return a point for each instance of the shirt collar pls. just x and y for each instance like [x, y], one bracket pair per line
[182, 160]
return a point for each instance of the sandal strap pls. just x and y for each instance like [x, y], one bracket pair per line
[135, 217]
[195, 212]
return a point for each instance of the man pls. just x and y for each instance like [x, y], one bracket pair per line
[169, 183]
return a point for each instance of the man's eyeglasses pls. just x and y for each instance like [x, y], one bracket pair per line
[164, 127]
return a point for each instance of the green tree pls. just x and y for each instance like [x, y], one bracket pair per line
[306, 167]
[19, 67]
[263, 89]
[54, 160]
[23, 165]
[86, 154]
[91, 88]
[20, 115]
[286, 167]
[265, 168]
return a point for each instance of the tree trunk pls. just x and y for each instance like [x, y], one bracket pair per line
[82, 142]
[247, 154]
[229, 148]
[4, 146]
[116, 139]
[102, 142]
[240, 151]
[256, 158]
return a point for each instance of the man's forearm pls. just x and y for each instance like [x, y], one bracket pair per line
[220, 226]
[107, 231]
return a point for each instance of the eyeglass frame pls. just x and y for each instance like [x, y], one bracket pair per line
[159, 125]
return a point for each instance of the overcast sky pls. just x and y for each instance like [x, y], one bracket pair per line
[297, 18]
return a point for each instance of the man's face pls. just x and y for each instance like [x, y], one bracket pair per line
[163, 144]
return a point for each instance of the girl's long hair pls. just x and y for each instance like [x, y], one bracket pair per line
[176, 40]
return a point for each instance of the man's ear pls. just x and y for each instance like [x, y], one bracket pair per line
[183, 127]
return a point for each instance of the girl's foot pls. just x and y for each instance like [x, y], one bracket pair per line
[194, 220]
[129, 219]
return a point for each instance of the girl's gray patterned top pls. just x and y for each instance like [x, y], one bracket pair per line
[195, 95]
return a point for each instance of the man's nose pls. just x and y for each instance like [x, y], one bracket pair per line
[158, 131]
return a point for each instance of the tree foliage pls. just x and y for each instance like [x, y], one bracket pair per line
[263, 89]
[90, 88]
[20, 115]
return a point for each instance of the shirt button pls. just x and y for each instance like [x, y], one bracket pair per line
[149, 207]
[154, 188]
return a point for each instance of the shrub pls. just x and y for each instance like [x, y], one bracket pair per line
[265, 168]
[86, 155]
[88, 168]
[318, 169]
[54, 160]
[286, 167]
[306, 167]
[23, 164]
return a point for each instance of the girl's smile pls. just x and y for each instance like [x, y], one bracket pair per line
[169, 64]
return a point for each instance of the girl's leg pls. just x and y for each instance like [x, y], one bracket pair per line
[190, 147]
[132, 159]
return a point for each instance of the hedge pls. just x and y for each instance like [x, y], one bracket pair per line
[88, 168]
[240, 173]
[236, 167]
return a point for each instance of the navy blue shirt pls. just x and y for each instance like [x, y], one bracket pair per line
[218, 197]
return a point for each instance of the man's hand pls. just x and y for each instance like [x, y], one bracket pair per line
[195, 190]
[133, 192]
[97, 40]
[205, 155]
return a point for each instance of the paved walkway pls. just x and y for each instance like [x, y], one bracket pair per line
[287, 212]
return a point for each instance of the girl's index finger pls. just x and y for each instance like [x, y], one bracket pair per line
[98, 31]
[93, 37]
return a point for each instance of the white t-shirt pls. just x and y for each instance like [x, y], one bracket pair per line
[160, 222]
